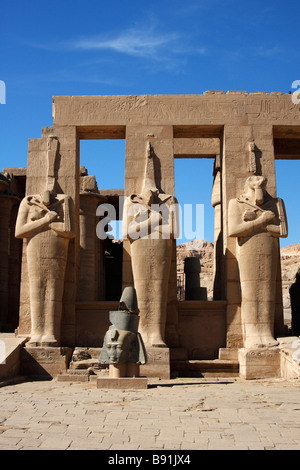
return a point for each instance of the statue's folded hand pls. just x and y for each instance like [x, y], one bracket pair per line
[268, 216]
[51, 216]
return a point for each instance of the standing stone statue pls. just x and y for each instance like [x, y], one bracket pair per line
[257, 221]
[46, 221]
[295, 304]
[123, 347]
[149, 222]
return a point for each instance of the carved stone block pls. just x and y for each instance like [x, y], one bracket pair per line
[259, 363]
[45, 362]
[158, 363]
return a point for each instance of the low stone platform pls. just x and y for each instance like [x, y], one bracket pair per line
[82, 364]
[201, 368]
[123, 383]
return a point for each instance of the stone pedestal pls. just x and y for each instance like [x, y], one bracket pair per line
[124, 370]
[229, 354]
[259, 363]
[45, 362]
[158, 363]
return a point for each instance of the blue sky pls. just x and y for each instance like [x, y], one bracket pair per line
[92, 47]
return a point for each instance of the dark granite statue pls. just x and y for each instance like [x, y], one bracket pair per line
[122, 342]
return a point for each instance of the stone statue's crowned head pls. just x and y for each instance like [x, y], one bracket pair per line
[121, 347]
[257, 184]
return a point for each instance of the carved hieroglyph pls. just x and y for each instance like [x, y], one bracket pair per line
[149, 223]
[46, 221]
[257, 220]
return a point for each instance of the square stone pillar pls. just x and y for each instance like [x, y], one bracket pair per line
[67, 174]
[161, 139]
[238, 163]
[7, 204]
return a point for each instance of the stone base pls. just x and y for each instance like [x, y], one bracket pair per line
[229, 354]
[73, 378]
[45, 362]
[158, 363]
[259, 363]
[123, 383]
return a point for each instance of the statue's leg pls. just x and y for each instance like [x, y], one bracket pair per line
[151, 261]
[36, 288]
[154, 320]
[53, 304]
[258, 268]
[36, 310]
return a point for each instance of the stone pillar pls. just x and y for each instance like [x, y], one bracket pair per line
[66, 173]
[238, 164]
[6, 203]
[216, 201]
[249, 151]
[161, 138]
[90, 247]
[14, 272]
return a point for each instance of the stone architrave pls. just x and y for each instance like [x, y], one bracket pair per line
[46, 221]
[150, 224]
[257, 221]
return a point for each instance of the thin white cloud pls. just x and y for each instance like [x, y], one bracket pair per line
[134, 42]
[164, 50]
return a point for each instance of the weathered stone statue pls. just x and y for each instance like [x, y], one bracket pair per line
[149, 222]
[295, 305]
[123, 347]
[257, 221]
[46, 221]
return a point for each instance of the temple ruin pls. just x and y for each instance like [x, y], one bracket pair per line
[61, 276]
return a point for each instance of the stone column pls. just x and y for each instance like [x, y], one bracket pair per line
[6, 204]
[161, 139]
[216, 201]
[89, 247]
[14, 272]
[66, 172]
[248, 150]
